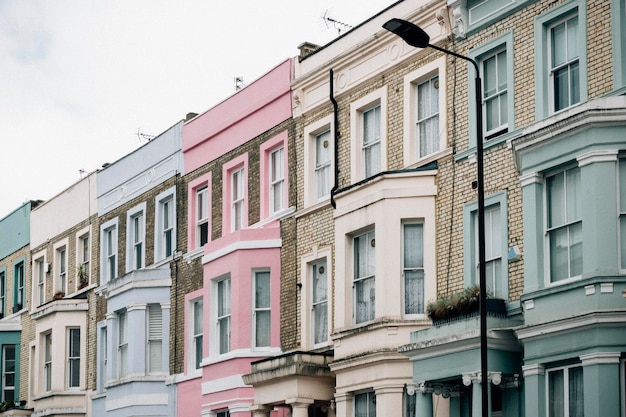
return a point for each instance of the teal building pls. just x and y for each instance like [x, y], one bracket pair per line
[14, 265]
[559, 350]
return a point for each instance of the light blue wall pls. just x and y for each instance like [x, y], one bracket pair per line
[141, 170]
[15, 230]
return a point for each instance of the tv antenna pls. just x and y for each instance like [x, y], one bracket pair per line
[239, 84]
[336, 24]
[144, 136]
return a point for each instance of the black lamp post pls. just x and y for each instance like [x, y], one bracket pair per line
[415, 36]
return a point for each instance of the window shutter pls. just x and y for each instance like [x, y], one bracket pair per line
[155, 338]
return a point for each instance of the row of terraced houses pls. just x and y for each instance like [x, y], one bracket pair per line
[298, 248]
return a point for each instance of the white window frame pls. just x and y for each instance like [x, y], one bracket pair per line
[277, 179]
[122, 344]
[410, 269]
[83, 254]
[5, 365]
[432, 86]
[493, 250]
[358, 280]
[3, 292]
[568, 224]
[568, 64]
[165, 225]
[621, 210]
[61, 259]
[109, 252]
[39, 279]
[470, 242]
[237, 198]
[480, 54]
[319, 305]
[370, 399]
[622, 385]
[102, 356]
[566, 371]
[544, 104]
[370, 141]
[19, 271]
[235, 207]
[309, 323]
[223, 314]
[46, 344]
[500, 94]
[193, 231]
[202, 214]
[258, 310]
[154, 338]
[357, 109]
[411, 151]
[136, 238]
[196, 332]
[318, 180]
[73, 358]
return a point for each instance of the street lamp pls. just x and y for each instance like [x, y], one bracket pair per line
[417, 37]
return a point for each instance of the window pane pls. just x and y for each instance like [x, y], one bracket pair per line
[224, 335]
[576, 397]
[558, 44]
[262, 293]
[223, 305]
[262, 328]
[197, 317]
[428, 117]
[320, 309]
[559, 254]
[622, 230]
[572, 38]
[574, 200]
[490, 76]
[414, 292]
[556, 395]
[561, 90]
[413, 246]
[365, 300]
[371, 142]
[576, 249]
[556, 200]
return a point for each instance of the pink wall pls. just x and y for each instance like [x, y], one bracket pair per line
[189, 398]
[244, 115]
[252, 249]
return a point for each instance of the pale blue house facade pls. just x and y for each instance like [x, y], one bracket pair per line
[137, 207]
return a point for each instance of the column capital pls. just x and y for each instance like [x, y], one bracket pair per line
[533, 369]
[600, 358]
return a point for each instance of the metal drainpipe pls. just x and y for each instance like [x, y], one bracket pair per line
[336, 144]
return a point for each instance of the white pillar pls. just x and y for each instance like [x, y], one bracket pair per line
[300, 406]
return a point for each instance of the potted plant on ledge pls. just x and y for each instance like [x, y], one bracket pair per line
[463, 304]
[83, 276]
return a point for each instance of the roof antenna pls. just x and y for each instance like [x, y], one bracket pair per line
[143, 136]
[340, 26]
[239, 84]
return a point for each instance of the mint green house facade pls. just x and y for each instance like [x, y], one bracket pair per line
[14, 262]
[560, 349]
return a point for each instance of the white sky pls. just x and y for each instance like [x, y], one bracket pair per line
[80, 78]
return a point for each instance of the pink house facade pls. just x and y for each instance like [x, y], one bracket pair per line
[236, 159]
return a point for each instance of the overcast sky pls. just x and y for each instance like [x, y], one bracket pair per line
[82, 80]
